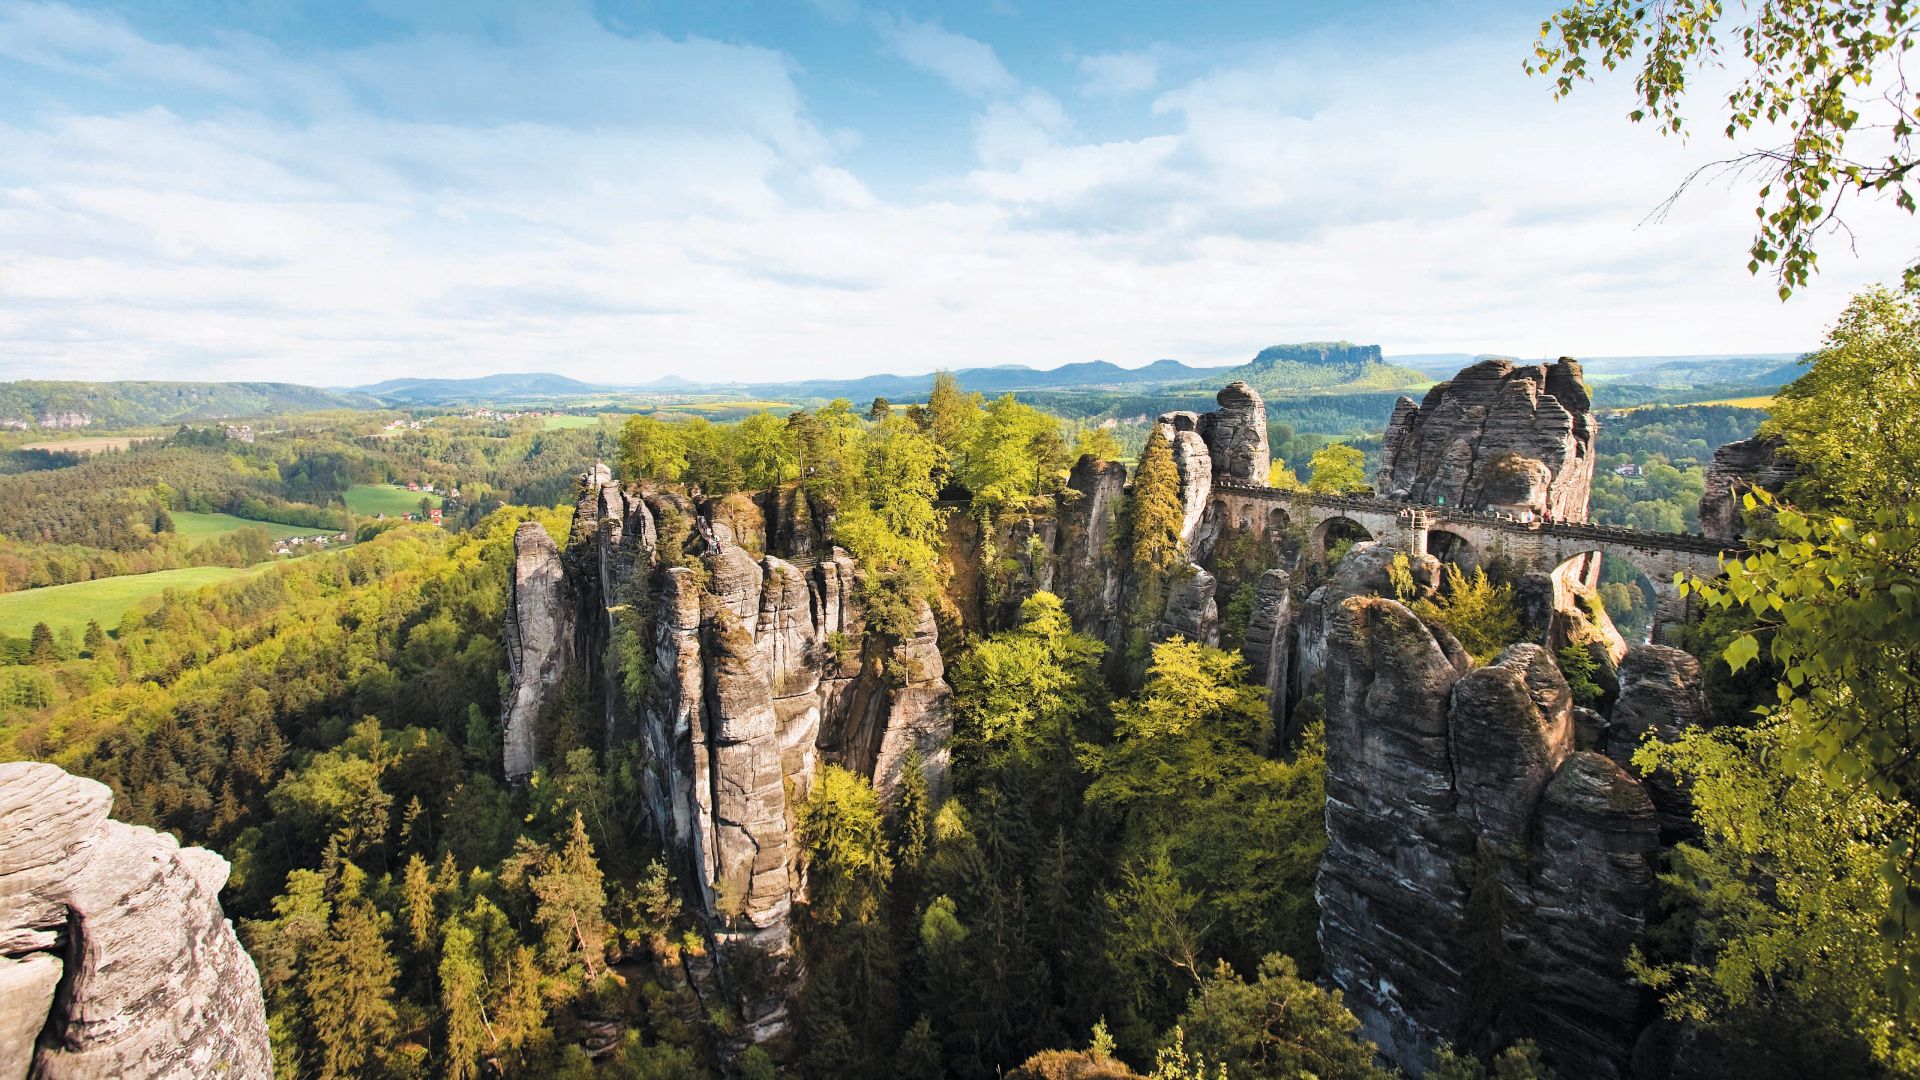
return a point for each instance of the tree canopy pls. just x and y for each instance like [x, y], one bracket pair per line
[1821, 111]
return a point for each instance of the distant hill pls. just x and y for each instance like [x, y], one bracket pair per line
[483, 388]
[41, 405]
[1090, 375]
[1324, 365]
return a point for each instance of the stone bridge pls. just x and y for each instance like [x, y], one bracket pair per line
[1573, 551]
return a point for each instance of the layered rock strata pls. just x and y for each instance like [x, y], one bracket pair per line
[1444, 779]
[115, 957]
[740, 674]
[1496, 436]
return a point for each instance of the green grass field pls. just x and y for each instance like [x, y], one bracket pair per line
[189, 525]
[556, 423]
[104, 600]
[370, 499]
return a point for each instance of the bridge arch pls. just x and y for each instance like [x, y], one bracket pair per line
[1336, 530]
[1453, 546]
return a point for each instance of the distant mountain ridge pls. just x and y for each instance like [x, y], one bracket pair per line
[36, 404]
[443, 391]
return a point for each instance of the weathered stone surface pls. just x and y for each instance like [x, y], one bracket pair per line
[1196, 479]
[1389, 887]
[745, 521]
[1236, 435]
[26, 997]
[1191, 612]
[1737, 468]
[1659, 693]
[1269, 645]
[1512, 726]
[1496, 436]
[761, 671]
[1430, 763]
[152, 981]
[1594, 878]
[540, 642]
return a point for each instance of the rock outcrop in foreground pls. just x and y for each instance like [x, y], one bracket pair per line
[115, 957]
[1738, 468]
[1484, 876]
[1496, 436]
[740, 674]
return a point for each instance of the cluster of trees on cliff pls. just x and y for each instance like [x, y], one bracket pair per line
[331, 727]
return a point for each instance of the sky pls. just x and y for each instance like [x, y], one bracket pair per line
[342, 192]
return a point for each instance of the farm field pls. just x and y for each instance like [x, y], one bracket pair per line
[370, 499]
[1763, 401]
[195, 526]
[724, 406]
[84, 446]
[557, 423]
[104, 600]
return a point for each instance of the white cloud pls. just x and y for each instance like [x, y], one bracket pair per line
[1118, 74]
[695, 219]
[965, 64]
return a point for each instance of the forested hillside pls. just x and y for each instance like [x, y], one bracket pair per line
[35, 405]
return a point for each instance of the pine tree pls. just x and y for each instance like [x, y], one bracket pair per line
[1157, 511]
[462, 983]
[95, 639]
[40, 649]
[919, 1053]
[416, 900]
[349, 983]
[1156, 550]
[572, 910]
[911, 823]
[520, 1016]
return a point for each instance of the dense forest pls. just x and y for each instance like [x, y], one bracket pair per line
[1121, 882]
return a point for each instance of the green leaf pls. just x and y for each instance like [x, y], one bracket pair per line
[1744, 650]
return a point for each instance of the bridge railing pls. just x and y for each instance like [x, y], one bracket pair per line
[1612, 534]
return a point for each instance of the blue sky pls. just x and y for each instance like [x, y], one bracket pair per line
[338, 193]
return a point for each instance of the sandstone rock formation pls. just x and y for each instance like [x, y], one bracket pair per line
[739, 679]
[540, 643]
[1191, 612]
[1660, 695]
[1268, 647]
[115, 958]
[1443, 780]
[1737, 468]
[1233, 437]
[1496, 436]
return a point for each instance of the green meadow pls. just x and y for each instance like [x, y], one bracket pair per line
[104, 600]
[370, 499]
[194, 526]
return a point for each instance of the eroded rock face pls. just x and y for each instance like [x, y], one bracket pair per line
[1236, 435]
[1737, 468]
[1191, 612]
[1087, 538]
[1660, 694]
[115, 957]
[540, 640]
[739, 679]
[1269, 644]
[1496, 436]
[1437, 771]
